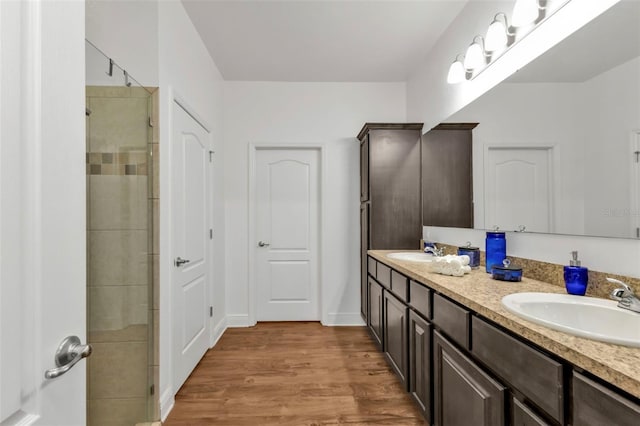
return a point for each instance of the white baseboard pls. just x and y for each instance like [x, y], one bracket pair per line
[338, 319]
[238, 320]
[167, 402]
[218, 331]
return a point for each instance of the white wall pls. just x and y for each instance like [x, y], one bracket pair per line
[127, 32]
[431, 99]
[187, 70]
[304, 113]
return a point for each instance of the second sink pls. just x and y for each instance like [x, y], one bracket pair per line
[589, 317]
[411, 256]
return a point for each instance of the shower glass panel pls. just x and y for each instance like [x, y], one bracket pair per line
[119, 245]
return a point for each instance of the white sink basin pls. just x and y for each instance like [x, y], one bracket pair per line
[411, 256]
[596, 319]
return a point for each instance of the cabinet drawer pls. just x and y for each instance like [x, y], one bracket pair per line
[383, 275]
[372, 266]
[420, 299]
[399, 285]
[452, 319]
[593, 404]
[523, 416]
[535, 375]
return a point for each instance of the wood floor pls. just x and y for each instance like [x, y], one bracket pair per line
[293, 374]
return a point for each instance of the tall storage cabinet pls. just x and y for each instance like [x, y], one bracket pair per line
[390, 190]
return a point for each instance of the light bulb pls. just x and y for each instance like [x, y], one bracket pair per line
[524, 12]
[457, 73]
[496, 38]
[474, 58]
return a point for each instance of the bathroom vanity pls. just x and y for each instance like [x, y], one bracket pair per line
[466, 360]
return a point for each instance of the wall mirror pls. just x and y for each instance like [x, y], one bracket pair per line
[557, 147]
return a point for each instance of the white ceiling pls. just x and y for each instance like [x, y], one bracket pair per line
[330, 40]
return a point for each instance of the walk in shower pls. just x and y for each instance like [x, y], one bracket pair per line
[122, 201]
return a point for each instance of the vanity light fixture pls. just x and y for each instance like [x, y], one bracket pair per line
[498, 33]
[457, 73]
[524, 12]
[475, 57]
[500, 37]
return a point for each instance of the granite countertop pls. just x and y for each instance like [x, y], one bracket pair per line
[619, 365]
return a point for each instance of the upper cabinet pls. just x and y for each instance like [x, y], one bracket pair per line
[390, 183]
[447, 183]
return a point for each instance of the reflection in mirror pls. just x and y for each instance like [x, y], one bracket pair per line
[557, 148]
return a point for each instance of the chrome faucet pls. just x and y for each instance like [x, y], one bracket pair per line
[438, 252]
[625, 296]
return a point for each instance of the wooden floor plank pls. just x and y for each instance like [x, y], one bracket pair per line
[294, 373]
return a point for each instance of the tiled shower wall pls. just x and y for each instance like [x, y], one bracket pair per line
[122, 202]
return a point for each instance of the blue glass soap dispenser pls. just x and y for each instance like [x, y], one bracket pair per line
[576, 277]
[495, 249]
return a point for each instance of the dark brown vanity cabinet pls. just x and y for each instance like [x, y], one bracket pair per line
[390, 206]
[395, 319]
[463, 393]
[463, 370]
[420, 363]
[375, 320]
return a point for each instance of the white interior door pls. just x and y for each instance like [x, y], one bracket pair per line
[518, 188]
[190, 231]
[42, 210]
[286, 240]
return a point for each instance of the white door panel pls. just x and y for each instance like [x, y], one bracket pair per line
[289, 280]
[190, 233]
[287, 205]
[42, 210]
[518, 188]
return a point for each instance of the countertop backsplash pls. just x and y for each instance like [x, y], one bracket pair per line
[553, 273]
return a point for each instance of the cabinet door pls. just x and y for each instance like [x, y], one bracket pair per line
[364, 169]
[447, 185]
[394, 189]
[463, 393]
[420, 363]
[364, 246]
[395, 334]
[375, 311]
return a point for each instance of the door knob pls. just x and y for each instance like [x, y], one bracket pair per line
[262, 244]
[180, 261]
[68, 354]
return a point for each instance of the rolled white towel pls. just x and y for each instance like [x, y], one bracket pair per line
[451, 265]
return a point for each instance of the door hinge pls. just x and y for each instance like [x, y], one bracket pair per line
[637, 232]
[637, 154]
[211, 234]
[150, 122]
[211, 311]
[211, 156]
[152, 390]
